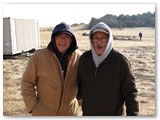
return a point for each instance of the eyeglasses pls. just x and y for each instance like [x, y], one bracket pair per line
[102, 39]
[62, 37]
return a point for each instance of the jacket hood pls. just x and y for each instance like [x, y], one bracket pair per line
[104, 28]
[60, 28]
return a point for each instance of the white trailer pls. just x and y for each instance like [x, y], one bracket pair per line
[20, 35]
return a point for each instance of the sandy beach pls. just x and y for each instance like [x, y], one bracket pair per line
[141, 55]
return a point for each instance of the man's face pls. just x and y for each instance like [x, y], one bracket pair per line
[99, 40]
[63, 42]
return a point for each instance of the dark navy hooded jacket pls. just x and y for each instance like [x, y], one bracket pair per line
[60, 28]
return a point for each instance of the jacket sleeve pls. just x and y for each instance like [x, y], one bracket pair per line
[79, 94]
[129, 90]
[28, 85]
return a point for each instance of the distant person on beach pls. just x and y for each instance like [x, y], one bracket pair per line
[105, 78]
[140, 36]
[49, 83]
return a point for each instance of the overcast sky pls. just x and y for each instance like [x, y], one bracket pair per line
[52, 14]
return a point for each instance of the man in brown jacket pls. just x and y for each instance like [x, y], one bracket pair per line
[49, 83]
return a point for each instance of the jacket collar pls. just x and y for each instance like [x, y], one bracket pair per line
[110, 58]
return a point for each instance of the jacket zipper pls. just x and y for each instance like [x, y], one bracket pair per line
[62, 90]
[94, 82]
[95, 72]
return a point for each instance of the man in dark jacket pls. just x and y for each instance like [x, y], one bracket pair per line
[140, 36]
[105, 77]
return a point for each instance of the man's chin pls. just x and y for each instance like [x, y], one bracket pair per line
[99, 54]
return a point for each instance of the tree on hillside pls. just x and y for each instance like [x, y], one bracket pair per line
[111, 20]
[93, 22]
[139, 20]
